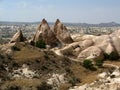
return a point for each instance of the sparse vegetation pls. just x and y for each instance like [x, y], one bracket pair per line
[99, 63]
[14, 88]
[112, 56]
[44, 86]
[15, 48]
[87, 64]
[40, 44]
[74, 80]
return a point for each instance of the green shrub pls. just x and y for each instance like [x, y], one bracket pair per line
[40, 44]
[14, 88]
[112, 56]
[15, 48]
[44, 86]
[88, 64]
[74, 80]
[99, 63]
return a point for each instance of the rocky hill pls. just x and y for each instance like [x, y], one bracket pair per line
[53, 60]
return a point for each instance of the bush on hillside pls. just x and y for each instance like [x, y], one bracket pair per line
[44, 86]
[74, 80]
[99, 63]
[15, 48]
[87, 64]
[40, 44]
[112, 56]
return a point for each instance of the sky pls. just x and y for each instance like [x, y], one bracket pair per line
[74, 11]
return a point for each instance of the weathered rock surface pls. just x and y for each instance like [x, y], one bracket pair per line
[85, 44]
[46, 34]
[92, 53]
[61, 33]
[18, 37]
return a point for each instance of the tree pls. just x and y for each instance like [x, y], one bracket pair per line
[40, 44]
[88, 64]
[99, 63]
[112, 56]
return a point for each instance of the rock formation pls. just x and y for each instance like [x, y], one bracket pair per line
[61, 33]
[85, 44]
[46, 34]
[92, 53]
[18, 37]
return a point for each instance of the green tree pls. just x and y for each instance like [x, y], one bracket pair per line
[99, 63]
[88, 64]
[112, 56]
[40, 44]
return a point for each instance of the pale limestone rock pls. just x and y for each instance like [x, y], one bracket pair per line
[61, 33]
[18, 37]
[93, 53]
[85, 44]
[88, 37]
[46, 34]
[109, 49]
[116, 44]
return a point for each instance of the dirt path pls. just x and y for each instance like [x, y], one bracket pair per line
[76, 60]
[60, 54]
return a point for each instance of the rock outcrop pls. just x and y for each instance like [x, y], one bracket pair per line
[85, 44]
[61, 33]
[18, 37]
[92, 53]
[46, 34]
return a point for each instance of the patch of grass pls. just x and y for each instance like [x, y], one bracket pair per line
[19, 83]
[65, 86]
[27, 53]
[74, 80]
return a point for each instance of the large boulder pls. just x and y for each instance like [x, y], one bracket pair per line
[18, 37]
[115, 33]
[116, 44]
[71, 49]
[101, 39]
[46, 34]
[92, 53]
[85, 44]
[110, 49]
[61, 33]
[88, 37]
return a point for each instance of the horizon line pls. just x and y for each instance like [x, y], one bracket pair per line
[54, 21]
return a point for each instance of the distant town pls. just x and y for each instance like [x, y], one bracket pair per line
[8, 29]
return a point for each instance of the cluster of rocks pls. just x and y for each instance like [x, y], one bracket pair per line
[23, 72]
[95, 47]
[86, 47]
[53, 36]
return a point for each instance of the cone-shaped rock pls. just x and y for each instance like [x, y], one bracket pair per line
[61, 33]
[46, 34]
[18, 37]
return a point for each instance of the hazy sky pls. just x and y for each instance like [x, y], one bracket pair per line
[89, 11]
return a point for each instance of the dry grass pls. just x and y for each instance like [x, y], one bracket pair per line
[86, 76]
[117, 62]
[22, 83]
[27, 52]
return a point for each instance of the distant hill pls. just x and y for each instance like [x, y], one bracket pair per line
[109, 24]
